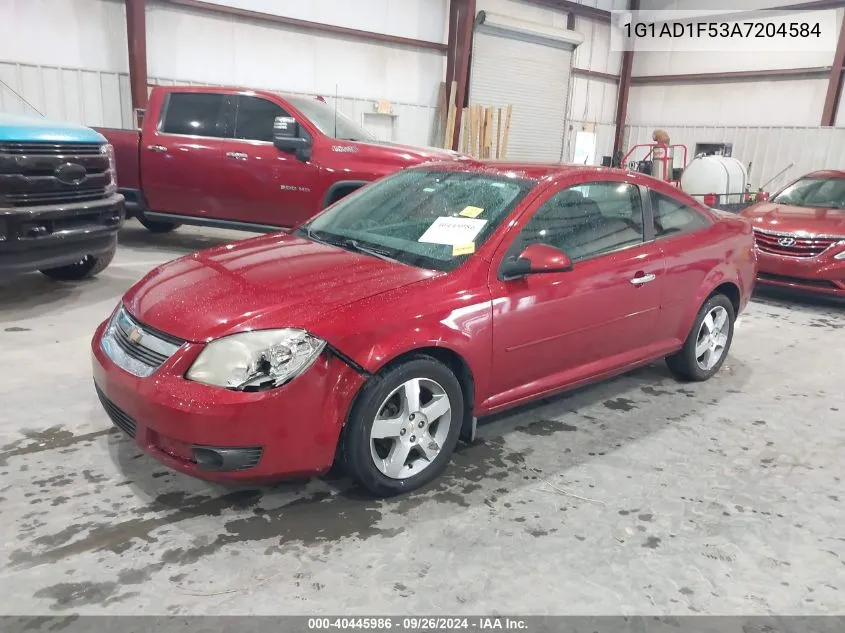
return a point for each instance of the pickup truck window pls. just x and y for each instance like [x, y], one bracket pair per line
[254, 118]
[323, 116]
[196, 114]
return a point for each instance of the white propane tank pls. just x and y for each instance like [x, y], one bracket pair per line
[715, 180]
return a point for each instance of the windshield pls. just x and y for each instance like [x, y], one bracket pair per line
[425, 218]
[323, 116]
[825, 193]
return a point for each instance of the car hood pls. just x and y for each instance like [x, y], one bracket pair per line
[26, 129]
[385, 151]
[782, 218]
[272, 281]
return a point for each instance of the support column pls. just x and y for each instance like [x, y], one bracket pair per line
[466, 20]
[136, 36]
[834, 82]
[624, 89]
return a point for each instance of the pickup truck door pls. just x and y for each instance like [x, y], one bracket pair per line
[182, 153]
[261, 184]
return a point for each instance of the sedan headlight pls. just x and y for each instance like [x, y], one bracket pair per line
[256, 360]
[840, 255]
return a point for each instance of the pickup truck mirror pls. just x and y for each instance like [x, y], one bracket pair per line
[288, 137]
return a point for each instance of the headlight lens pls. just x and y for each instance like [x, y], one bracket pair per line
[108, 150]
[840, 255]
[256, 360]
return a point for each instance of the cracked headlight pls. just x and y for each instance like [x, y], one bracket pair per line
[257, 360]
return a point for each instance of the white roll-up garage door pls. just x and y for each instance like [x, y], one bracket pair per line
[525, 65]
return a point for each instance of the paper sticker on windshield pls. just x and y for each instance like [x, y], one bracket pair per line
[463, 249]
[471, 212]
[453, 231]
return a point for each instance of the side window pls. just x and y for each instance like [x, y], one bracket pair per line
[196, 114]
[254, 118]
[672, 217]
[586, 220]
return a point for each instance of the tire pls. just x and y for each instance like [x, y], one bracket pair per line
[385, 396]
[158, 226]
[698, 367]
[86, 267]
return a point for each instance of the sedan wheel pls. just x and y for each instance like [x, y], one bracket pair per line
[708, 342]
[712, 338]
[410, 428]
[403, 427]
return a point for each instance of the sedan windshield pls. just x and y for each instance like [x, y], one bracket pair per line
[430, 219]
[329, 122]
[825, 193]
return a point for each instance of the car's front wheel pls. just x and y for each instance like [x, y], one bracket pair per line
[708, 342]
[86, 267]
[158, 226]
[404, 427]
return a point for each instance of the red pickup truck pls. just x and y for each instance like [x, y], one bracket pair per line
[248, 159]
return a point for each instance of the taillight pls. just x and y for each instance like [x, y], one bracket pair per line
[711, 199]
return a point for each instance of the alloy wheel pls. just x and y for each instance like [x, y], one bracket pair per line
[410, 428]
[712, 338]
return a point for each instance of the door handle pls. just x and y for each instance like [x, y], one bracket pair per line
[644, 279]
[157, 148]
[237, 155]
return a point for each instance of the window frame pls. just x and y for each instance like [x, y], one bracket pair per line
[512, 236]
[708, 222]
[236, 106]
[228, 115]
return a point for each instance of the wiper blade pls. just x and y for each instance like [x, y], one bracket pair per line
[355, 245]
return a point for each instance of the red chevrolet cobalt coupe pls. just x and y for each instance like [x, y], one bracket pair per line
[377, 333]
[801, 235]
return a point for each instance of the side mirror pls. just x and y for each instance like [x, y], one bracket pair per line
[288, 137]
[536, 259]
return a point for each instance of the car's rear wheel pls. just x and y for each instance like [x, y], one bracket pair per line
[158, 226]
[404, 427]
[708, 342]
[86, 267]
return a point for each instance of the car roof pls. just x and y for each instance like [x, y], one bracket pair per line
[525, 170]
[826, 173]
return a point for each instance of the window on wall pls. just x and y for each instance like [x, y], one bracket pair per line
[254, 118]
[672, 217]
[196, 114]
[587, 220]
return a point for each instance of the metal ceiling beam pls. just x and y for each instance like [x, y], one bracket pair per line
[574, 8]
[739, 75]
[624, 89]
[306, 25]
[136, 36]
[594, 74]
[834, 82]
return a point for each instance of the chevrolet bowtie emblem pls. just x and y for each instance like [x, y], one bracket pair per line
[134, 334]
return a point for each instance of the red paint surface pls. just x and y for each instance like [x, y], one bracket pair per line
[521, 339]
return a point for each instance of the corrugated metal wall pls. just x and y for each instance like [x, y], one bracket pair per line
[102, 99]
[769, 149]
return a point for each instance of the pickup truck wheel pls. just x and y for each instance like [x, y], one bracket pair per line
[708, 342]
[86, 267]
[158, 226]
[403, 427]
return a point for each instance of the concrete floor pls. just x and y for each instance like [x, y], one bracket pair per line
[639, 495]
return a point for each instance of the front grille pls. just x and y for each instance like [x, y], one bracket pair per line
[45, 173]
[50, 148]
[137, 350]
[824, 284]
[118, 417]
[135, 347]
[804, 247]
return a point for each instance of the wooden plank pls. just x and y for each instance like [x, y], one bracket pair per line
[507, 131]
[473, 130]
[499, 133]
[466, 121]
[450, 117]
[488, 133]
